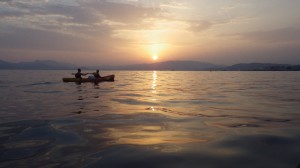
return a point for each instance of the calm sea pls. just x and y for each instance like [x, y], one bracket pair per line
[151, 119]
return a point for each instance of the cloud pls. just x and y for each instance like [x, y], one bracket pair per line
[122, 12]
[282, 35]
[84, 19]
[120, 27]
[32, 39]
[5, 1]
[199, 26]
[86, 27]
[174, 5]
[81, 18]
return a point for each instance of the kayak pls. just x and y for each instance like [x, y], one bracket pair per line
[109, 78]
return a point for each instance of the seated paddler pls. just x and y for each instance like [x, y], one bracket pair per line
[96, 75]
[78, 74]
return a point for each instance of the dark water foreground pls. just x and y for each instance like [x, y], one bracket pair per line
[151, 119]
[78, 143]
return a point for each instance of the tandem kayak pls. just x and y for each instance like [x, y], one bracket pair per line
[109, 78]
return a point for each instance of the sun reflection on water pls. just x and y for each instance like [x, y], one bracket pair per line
[148, 135]
[153, 87]
[154, 78]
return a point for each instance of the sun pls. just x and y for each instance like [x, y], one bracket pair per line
[155, 57]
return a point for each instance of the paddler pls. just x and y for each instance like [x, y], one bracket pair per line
[96, 74]
[78, 74]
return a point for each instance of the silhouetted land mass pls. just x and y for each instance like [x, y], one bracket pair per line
[261, 67]
[167, 66]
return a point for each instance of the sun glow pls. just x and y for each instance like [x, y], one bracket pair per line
[155, 49]
[155, 57]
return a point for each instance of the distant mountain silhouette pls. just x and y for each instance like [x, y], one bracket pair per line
[168, 65]
[37, 65]
[261, 67]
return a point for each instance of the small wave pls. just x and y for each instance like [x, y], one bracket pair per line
[42, 83]
[38, 84]
[131, 95]
[30, 138]
[237, 125]
[275, 120]
[134, 102]
[180, 113]
[78, 112]
[46, 92]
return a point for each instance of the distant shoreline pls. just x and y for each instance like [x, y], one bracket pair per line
[160, 66]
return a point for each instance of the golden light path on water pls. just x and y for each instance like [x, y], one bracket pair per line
[157, 133]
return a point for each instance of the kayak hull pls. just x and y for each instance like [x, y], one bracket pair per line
[109, 78]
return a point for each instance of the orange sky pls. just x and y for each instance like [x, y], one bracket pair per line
[119, 32]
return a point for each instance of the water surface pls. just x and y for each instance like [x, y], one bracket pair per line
[150, 119]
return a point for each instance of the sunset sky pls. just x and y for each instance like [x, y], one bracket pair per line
[116, 32]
